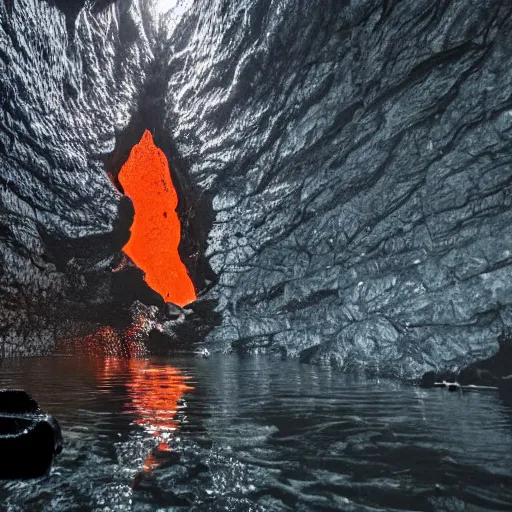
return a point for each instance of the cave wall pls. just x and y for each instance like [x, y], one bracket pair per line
[359, 154]
[356, 155]
[67, 88]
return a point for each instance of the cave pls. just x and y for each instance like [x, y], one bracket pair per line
[256, 255]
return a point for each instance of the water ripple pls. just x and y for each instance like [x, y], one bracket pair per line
[259, 434]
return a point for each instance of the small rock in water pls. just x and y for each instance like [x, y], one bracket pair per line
[204, 353]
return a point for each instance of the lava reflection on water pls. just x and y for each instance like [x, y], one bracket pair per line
[154, 391]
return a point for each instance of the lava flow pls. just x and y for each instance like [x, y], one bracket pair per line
[155, 232]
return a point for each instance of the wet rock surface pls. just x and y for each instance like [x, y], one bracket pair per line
[29, 437]
[355, 155]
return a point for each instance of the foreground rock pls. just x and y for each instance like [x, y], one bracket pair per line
[29, 438]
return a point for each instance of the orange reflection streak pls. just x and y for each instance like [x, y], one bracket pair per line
[155, 393]
[155, 232]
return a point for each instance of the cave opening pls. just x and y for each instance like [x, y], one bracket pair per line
[163, 186]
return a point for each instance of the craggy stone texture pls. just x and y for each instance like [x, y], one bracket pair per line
[357, 155]
[63, 100]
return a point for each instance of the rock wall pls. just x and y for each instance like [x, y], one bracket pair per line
[65, 94]
[356, 155]
[359, 154]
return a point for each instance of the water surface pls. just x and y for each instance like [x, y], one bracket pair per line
[232, 433]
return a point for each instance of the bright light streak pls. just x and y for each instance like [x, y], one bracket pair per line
[177, 6]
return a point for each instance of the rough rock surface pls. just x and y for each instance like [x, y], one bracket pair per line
[356, 153]
[64, 97]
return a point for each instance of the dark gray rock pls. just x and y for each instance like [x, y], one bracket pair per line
[359, 155]
[356, 156]
[63, 101]
[495, 371]
[29, 438]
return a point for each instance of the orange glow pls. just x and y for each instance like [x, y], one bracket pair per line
[154, 391]
[155, 232]
[107, 342]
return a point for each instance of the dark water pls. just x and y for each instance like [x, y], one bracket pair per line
[259, 434]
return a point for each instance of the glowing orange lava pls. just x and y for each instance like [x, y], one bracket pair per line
[155, 232]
